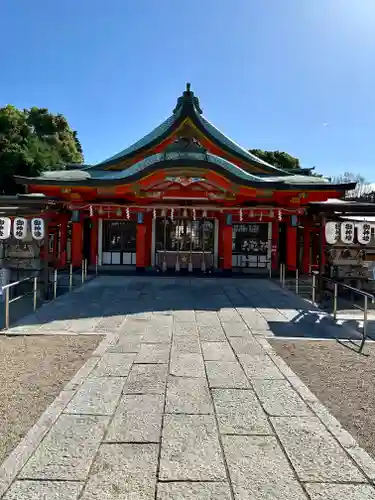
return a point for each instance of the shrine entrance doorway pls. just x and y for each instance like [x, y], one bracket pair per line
[183, 244]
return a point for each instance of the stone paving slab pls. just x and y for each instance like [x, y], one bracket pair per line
[259, 367]
[188, 395]
[217, 351]
[246, 345]
[66, 453]
[257, 465]
[239, 412]
[123, 471]
[114, 365]
[138, 419]
[83, 324]
[187, 365]
[185, 399]
[44, 490]
[326, 491]
[207, 318]
[97, 396]
[157, 335]
[153, 353]
[193, 491]
[184, 316]
[190, 449]
[110, 324]
[280, 399]
[229, 315]
[314, 453]
[236, 329]
[146, 379]
[226, 374]
[129, 343]
[186, 329]
[131, 326]
[185, 345]
[211, 333]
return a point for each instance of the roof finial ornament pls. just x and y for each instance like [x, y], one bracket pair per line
[188, 98]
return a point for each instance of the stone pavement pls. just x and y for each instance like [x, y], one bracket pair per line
[185, 399]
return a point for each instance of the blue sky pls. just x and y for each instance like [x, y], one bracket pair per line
[293, 75]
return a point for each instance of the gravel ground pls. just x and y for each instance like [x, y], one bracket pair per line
[33, 370]
[343, 380]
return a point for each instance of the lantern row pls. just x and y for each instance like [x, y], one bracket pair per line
[344, 231]
[20, 226]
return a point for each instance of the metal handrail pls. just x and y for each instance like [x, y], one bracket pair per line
[8, 301]
[15, 283]
[316, 276]
[344, 285]
[6, 288]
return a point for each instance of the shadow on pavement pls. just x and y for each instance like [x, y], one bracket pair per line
[105, 302]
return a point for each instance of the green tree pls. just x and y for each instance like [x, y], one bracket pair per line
[283, 160]
[33, 140]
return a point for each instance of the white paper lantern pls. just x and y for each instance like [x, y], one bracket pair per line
[19, 228]
[364, 233]
[347, 232]
[5, 224]
[37, 228]
[332, 232]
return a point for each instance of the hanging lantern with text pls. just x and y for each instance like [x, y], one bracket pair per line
[4, 228]
[347, 232]
[364, 233]
[19, 228]
[37, 228]
[332, 232]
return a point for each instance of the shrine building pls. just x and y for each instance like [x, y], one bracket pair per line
[185, 197]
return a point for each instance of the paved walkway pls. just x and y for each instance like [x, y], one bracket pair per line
[185, 399]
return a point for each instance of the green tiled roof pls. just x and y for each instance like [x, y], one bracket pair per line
[99, 174]
[224, 139]
[175, 159]
[147, 139]
[188, 106]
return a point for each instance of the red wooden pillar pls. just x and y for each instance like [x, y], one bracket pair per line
[306, 250]
[141, 245]
[227, 248]
[77, 243]
[322, 254]
[220, 251]
[291, 248]
[63, 242]
[93, 241]
[148, 240]
[275, 245]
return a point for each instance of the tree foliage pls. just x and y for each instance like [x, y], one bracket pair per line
[278, 159]
[284, 161]
[33, 140]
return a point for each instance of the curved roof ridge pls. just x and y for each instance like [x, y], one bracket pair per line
[150, 161]
[160, 157]
[234, 145]
[188, 106]
[154, 134]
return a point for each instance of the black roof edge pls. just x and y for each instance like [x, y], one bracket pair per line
[24, 199]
